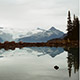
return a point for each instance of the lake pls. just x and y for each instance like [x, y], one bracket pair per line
[37, 63]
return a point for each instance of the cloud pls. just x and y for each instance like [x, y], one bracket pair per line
[35, 13]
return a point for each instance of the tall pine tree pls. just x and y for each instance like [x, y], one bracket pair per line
[69, 25]
[75, 31]
[72, 28]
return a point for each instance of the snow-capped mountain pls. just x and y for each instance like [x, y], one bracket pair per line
[11, 34]
[25, 35]
[28, 33]
[43, 36]
[5, 36]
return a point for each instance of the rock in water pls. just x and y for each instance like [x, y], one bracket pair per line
[56, 67]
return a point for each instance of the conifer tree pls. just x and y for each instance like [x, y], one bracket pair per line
[72, 28]
[75, 30]
[69, 23]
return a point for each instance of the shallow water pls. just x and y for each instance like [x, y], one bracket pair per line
[37, 63]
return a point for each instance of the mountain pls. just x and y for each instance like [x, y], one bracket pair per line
[1, 40]
[5, 36]
[30, 32]
[12, 34]
[43, 36]
[62, 37]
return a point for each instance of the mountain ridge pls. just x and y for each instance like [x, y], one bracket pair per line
[43, 36]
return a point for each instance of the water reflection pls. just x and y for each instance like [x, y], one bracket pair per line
[52, 51]
[72, 57]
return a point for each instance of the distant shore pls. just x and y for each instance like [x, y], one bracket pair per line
[56, 43]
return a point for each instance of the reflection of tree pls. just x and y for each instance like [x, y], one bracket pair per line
[73, 59]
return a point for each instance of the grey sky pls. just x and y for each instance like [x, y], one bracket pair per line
[36, 13]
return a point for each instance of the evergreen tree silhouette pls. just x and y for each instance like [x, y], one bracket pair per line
[75, 30]
[72, 28]
[69, 24]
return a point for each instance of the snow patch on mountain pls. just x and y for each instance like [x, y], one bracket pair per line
[11, 34]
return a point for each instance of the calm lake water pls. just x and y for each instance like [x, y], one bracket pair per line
[37, 63]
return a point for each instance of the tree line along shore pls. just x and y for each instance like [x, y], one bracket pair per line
[56, 43]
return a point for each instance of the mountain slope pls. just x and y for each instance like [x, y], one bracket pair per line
[43, 36]
[11, 34]
[1, 40]
[5, 36]
[60, 38]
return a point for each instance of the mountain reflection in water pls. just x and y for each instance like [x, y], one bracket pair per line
[52, 51]
[72, 57]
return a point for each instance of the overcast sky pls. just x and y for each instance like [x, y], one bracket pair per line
[36, 13]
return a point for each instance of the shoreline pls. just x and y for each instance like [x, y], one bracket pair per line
[56, 43]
